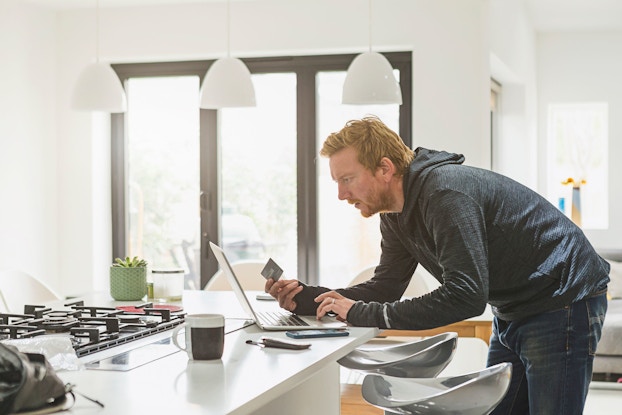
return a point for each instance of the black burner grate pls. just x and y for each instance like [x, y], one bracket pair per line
[91, 329]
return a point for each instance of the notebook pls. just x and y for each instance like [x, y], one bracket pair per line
[270, 320]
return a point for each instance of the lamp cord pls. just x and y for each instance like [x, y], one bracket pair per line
[228, 28]
[370, 37]
[97, 31]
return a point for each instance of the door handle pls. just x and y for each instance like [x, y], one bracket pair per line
[204, 200]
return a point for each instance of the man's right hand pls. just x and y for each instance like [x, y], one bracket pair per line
[284, 291]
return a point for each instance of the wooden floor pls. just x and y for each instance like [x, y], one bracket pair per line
[352, 403]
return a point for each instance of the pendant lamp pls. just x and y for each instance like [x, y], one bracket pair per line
[227, 82]
[98, 87]
[370, 79]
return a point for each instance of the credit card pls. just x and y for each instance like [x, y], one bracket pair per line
[272, 270]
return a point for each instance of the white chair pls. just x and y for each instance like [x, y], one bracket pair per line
[18, 289]
[248, 272]
[476, 393]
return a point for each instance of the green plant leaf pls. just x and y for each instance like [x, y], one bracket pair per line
[128, 262]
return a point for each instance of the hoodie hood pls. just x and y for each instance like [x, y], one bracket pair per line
[424, 162]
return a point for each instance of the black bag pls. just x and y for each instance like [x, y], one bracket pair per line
[27, 382]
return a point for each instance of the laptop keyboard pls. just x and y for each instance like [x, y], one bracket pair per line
[275, 318]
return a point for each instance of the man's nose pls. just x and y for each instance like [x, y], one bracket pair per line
[342, 193]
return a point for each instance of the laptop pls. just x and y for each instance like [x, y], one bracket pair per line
[270, 320]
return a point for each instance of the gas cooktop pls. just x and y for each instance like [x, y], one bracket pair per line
[91, 328]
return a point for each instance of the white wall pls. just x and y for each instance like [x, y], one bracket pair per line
[62, 229]
[29, 225]
[513, 64]
[586, 68]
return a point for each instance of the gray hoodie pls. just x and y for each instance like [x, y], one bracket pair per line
[485, 238]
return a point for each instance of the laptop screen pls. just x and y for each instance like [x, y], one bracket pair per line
[233, 280]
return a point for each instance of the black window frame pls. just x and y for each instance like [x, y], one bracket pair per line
[306, 69]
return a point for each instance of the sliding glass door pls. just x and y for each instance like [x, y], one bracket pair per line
[258, 174]
[163, 173]
[249, 179]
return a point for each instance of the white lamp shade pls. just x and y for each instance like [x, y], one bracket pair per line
[370, 81]
[227, 83]
[99, 89]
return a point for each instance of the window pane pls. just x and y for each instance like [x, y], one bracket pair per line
[258, 148]
[163, 176]
[578, 154]
[347, 241]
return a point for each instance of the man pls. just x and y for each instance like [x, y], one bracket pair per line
[487, 239]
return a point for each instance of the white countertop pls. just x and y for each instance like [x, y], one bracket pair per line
[248, 379]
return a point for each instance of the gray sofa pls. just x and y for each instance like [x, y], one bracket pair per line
[608, 360]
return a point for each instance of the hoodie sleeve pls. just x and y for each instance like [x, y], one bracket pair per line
[390, 280]
[384, 287]
[456, 225]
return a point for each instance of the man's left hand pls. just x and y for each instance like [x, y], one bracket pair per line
[333, 302]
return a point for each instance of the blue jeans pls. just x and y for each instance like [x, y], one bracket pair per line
[551, 355]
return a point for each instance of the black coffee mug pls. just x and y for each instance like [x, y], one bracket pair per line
[204, 336]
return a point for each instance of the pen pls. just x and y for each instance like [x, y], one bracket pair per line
[278, 343]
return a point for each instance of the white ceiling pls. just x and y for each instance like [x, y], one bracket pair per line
[575, 15]
[82, 4]
[547, 15]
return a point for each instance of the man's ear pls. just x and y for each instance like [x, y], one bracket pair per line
[386, 168]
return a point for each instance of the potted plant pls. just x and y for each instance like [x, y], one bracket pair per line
[128, 279]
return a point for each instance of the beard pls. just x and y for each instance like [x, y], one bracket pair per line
[378, 203]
